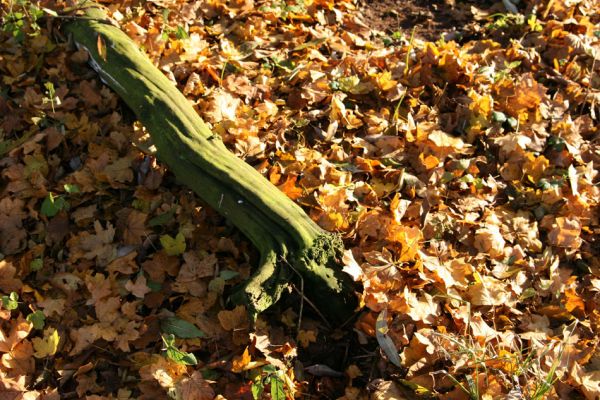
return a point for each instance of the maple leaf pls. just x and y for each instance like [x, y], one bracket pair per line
[164, 371]
[306, 337]
[173, 246]
[135, 228]
[241, 363]
[588, 381]
[234, 319]
[47, 345]
[107, 308]
[488, 239]
[423, 309]
[98, 245]
[8, 282]
[83, 337]
[194, 387]
[12, 233]
[565, 233]
[20, 359]
[19, 330]
[139, 288]
[490, 292]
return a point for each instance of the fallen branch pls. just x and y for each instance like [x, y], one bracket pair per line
[279, 228]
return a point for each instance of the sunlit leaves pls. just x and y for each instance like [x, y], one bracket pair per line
[461, 173]
[173, 353]
[47, 345]
[10, 302]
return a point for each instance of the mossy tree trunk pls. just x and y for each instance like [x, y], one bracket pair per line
[284, 235]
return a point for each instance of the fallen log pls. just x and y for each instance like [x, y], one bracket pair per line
[287, 239]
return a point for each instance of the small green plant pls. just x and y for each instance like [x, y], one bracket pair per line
[36, 264]
[173, 353]
[22, 17]
[51, 94]
[11, 302]
[166, 31]
[285, 10]
[37, 319]
[520, 369]
[270, 376]
[53, 204]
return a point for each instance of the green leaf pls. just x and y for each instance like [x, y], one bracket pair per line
[11, 302]
[257, 389]
[70, 188]
[50, 88]
[163, 218]
[180, 33]
[36, 264]
[154, 286]
[210, 374]
[385, 342]
[227, 274]
[180, 328]
[217, 285]
[37, 319]
[172, 352]
[50, 12]
[181, 357]
[498, 116]
[52, 205]
[277, 392]
[173, 246]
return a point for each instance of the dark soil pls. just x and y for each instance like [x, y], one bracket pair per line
[431, 19]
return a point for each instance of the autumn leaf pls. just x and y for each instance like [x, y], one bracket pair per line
[46, 346]
[240, 363]
[234, 319]
[139, 288]
[173, 246]
[306, 337]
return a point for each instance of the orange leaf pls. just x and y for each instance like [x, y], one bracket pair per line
[240, 363]
[290, 189]
[101, 47]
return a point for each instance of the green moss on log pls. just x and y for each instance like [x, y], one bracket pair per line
[284, 235]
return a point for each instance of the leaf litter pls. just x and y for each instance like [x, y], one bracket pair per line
[461, 171]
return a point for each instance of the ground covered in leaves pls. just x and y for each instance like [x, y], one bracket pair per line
[461, 172]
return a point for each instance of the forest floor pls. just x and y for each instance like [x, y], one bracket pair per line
[453, 145]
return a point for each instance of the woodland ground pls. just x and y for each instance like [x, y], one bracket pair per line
[453, 145]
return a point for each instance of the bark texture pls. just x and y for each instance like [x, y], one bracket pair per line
[285, 236]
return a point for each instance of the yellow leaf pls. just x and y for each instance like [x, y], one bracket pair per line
[306, 337]
[46, 346]
[535, 166]
[173, 246]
